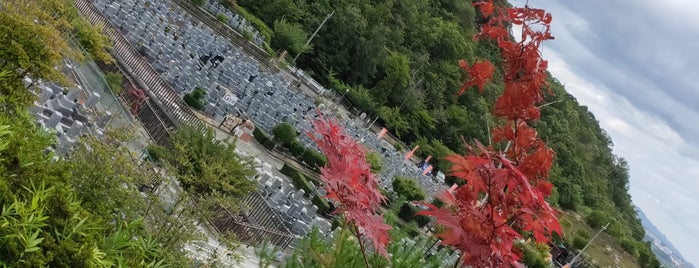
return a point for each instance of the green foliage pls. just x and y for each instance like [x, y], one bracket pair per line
[195, 99]
[198, 2]
[222, 17]
[156, 152]
[289, 36]
[579, 242]
[114, 81]
[317, 251]
[597, 219]
[207, 166]
[262, 138]
[408, 188]
[287, 136]
[300, 182]
[407, 213]
[71, 212]
[284, 134]
[298, 179]
[375, 161]
[92, 40]
[630, 247]
[262, 27]
[535, 255]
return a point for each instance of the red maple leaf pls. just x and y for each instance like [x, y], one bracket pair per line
[478, 75]
[349, 182]
[486, 8]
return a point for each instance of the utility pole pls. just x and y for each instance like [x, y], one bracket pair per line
[313, 35]
[570, 264]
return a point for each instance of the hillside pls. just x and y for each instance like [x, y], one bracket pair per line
[397, 60]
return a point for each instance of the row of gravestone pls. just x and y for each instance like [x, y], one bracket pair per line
[296, 211]
[63, 111]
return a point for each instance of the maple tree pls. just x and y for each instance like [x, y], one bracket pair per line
[349, 182]
[506, 190]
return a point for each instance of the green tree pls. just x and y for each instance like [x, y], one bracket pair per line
[92, 40]
[289, 36]
[284, 134]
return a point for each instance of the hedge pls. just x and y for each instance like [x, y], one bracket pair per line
[263, 139]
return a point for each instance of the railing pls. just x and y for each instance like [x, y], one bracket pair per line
[169, 103]
[254, 228]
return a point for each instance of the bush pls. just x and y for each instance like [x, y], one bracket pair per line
[296, 149]
[265, 31]
[630, 247]
[222, 17]
[597, 219]
[579, 242]
[408, 188]
[316, 159]
[534, 255]
[260, 136]
[156, 152]
[284, 134]
[407, 213]
[114, 81]
[374, 160]
[195, 99]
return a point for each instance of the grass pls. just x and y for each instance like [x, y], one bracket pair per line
[604, 251]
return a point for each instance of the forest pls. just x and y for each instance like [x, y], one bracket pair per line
[398, 61]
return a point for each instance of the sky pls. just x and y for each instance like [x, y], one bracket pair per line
[635, 64]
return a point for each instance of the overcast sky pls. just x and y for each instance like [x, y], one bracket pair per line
[634, 64]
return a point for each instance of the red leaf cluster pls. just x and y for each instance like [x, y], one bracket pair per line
[350, 183]
[506, 190]
[479, 74]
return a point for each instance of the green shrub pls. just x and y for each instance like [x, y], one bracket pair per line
[298, 179]
[296, 149]
[156, 152]
[260, 136]
[262, 27]
[195, 99]
[284, 134]
[534, 255]
[597, 219]
[408, 188]
[579, 242]
[407, 213]
[222, 17]
[374, 160]
[114, 81]
[630, 246]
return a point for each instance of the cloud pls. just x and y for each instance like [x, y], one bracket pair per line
[633, 63]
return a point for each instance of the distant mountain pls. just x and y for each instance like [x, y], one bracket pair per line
[667, 254]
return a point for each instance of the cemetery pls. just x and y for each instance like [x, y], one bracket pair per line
[187, 55]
